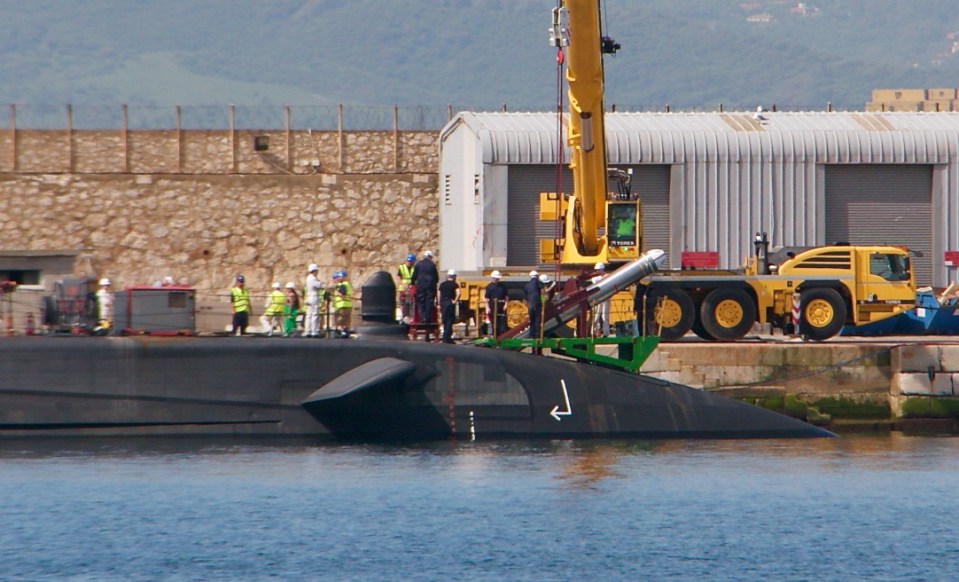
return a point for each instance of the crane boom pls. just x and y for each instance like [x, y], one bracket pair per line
[596, 228]
[586, 130]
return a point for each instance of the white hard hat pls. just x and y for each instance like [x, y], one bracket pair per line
[104, 281]
[291, 285]
[276, 285]
[495, 274]
[428, 253]
[451, 273]
[533, 274]
[313, 267]
[600, 267]
[544, 278]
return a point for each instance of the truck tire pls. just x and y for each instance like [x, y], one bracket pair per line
[701, 332]
[669, 313]
[728, 314]
[822, 313]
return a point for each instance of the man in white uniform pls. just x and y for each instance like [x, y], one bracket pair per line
[313, 299]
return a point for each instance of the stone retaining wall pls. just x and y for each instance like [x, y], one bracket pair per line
[202, 206]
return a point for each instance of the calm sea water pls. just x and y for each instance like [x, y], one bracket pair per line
[884, 508]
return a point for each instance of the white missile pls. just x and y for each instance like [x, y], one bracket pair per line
[568, 308]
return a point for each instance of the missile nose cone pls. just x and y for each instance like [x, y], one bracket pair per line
[658, 256]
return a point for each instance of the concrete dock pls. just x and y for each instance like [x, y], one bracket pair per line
[907, 383]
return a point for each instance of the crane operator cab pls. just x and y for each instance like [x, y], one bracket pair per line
[623, 219]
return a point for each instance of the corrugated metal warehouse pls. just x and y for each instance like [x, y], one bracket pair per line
[710, 181]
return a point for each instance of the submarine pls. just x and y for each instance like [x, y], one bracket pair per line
[373, 388]
[377, 386]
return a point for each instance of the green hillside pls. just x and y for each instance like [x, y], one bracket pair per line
[473, 54]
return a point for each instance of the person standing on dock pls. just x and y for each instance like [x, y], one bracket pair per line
[313, 298]
[425, 278]
[495, 300]
[534, 304]
[601, 311]
[273, 310]
[105, 306]
[291, 309]
[449, 299]
[404, 287]
[342, 303]
[240, 303]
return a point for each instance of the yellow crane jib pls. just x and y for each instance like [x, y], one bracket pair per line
[598, 227]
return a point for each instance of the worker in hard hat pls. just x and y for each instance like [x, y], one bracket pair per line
[532, 291]
[404, 288]
[548, 287]
[449, 299]
[425, 279]
[291, 309]
[494, 298]
[241, 306]
[342, 303]
[313, 298]
[273, 310]
[104, 307]
[601, 311]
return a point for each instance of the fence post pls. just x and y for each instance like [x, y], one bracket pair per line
[233, 162]
[396, 139]
[339, 136]
[289, 138]
[125, 136]
[13, 137]
[71, 160]
[179, 140]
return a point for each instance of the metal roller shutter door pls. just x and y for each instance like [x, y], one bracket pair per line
[652, 185]
[882, 204]
[525, 230]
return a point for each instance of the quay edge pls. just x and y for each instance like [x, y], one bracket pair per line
[892, 383]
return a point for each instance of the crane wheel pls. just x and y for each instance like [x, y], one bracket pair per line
[670, 313]
[822, 313]
[727, 314]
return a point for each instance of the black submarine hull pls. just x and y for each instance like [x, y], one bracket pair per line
[352, 389]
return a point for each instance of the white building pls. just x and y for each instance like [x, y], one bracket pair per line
[709, 181]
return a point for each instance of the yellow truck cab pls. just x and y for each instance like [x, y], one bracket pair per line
[828, 287]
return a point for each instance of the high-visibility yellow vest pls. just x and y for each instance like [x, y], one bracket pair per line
[345, 299]
[277, 303]
[406, 274]
[240, 299]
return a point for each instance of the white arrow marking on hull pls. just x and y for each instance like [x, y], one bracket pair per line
[556, 413]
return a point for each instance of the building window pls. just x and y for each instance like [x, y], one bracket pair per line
[21, 276]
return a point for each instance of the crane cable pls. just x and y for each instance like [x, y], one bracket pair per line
[560, 150]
